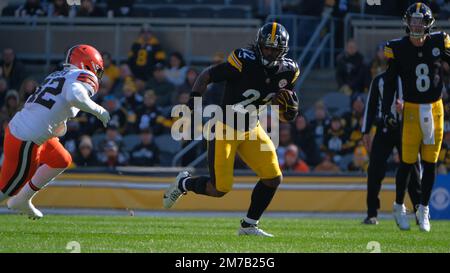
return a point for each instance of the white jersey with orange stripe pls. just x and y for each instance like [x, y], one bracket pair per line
[60, 97]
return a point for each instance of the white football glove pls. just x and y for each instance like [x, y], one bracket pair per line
[103, 116]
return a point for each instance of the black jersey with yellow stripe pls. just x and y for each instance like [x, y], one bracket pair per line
[418, 67]
[248, 82]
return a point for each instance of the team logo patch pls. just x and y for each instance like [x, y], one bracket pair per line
[436, 52]
[440, 199]
[282, 83]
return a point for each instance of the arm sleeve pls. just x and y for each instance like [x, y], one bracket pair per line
[296, 74]
[371, 106]
[223, 72]
[390, 80]
[446, 55]
[78, 97]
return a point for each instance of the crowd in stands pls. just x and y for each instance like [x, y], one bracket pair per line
[140, 92]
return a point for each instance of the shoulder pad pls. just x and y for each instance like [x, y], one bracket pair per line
[289, 65]
[446, 38]
[240, 56]
[88, 79]
[389, 48]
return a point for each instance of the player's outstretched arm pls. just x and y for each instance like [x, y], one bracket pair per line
[80, 99]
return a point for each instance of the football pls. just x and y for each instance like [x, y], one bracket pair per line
[287, 103]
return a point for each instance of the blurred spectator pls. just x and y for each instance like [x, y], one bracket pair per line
[118, 114]
[285, 141]
[89, 9]
[214, 93]
[122, 8]
[12, 69]
[145, 153]
[12, 104]
[3, 89]
[111, 157]
[327, 165]
[379, 63]
[350, 69]
[218, 58]
[320, 123]
[191, 77]
[353, 122]
[104, 90]
[292, 162]
[111, 71]
[176, 72]
[148, 113]
[360, 159]
[130, 102]
[112, 134]
[85, 156]
[393, 162]
[27, 89]
[144, 54]
[31, 8]
[70, 139]
[124, 73]
[444, 155]
[335, 137]
[60, 8]
[303, 137]
[163, 88]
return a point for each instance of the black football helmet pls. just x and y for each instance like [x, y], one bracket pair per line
[418, 20]
[272, 36]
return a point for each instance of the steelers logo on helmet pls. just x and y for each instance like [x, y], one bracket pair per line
[272, 43]
[418, 20]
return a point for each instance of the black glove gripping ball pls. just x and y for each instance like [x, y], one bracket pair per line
[287, 102]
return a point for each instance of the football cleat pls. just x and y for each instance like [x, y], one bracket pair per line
[253, 230]
[173, 193]
[423, 216]
[400, 216]
[370, 221]
[24, 207]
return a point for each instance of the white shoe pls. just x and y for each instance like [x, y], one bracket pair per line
[24, 207]
[423, 215]
[253, 230]
[400, 216]
[173, 193]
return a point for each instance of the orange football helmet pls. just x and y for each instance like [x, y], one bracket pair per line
[86, 57]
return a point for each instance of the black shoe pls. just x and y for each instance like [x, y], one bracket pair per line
[370, 221]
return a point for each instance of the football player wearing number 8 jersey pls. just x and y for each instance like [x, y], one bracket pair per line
[416, 59]
[33, 155]
[253, 76]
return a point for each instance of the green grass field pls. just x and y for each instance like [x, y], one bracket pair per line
[174, 234]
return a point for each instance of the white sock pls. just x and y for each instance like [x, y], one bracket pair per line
[250, 221]
[43, 176]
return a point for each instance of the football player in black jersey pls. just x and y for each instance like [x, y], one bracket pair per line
[416, 59]
[253, 76]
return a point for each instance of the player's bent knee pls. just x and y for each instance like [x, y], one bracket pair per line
[63, 162]
[219, 193]
[216, 190]
[273, 182]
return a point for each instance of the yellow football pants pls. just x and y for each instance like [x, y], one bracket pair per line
[413, 139]
[222, 152]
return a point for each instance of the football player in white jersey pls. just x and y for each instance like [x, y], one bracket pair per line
[33, 155]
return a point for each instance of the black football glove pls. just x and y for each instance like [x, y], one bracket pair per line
[390, 122]
[288, 102]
